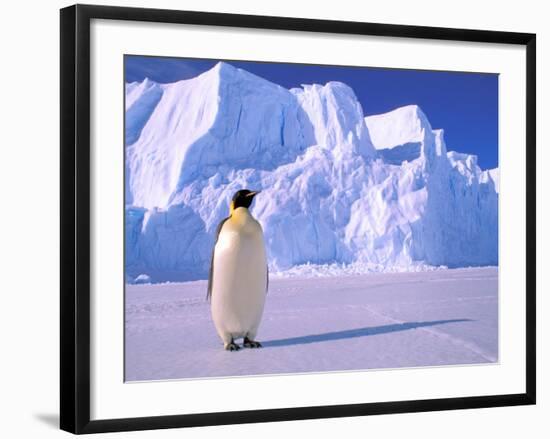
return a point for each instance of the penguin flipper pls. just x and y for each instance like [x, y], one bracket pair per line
[211, 273]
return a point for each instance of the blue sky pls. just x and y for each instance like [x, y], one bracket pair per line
[465, 105]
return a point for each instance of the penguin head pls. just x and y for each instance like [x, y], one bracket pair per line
[243, 198]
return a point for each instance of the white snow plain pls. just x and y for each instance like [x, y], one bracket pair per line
[336, 323]
[337, 187]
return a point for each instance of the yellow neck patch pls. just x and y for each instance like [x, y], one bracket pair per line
[239, 216]
[231, 208]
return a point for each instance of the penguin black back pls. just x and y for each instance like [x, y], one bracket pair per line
[210, 275]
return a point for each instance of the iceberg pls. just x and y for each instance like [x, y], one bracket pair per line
[337, 187]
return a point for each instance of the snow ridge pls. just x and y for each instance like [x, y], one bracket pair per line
[337, 188]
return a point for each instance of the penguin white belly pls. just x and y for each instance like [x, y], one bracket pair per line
[239, 278]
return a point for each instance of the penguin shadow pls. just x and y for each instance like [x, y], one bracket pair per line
[355, 333]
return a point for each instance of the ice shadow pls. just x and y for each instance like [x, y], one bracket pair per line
[353, 333]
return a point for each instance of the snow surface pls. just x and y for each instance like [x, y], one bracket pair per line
[337, 188]
[354, 322]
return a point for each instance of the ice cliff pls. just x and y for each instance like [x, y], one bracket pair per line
[336, 186]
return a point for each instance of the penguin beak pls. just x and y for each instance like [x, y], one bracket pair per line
[253, 193]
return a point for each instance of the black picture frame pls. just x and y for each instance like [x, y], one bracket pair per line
[75, 217]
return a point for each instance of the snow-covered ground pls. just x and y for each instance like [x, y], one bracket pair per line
[346, 322]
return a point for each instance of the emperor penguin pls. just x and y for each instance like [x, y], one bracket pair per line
[238, 280]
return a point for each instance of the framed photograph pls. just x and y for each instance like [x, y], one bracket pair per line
[304, 218]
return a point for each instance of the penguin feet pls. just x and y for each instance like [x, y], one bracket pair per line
[247, 343]
[232, 346]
